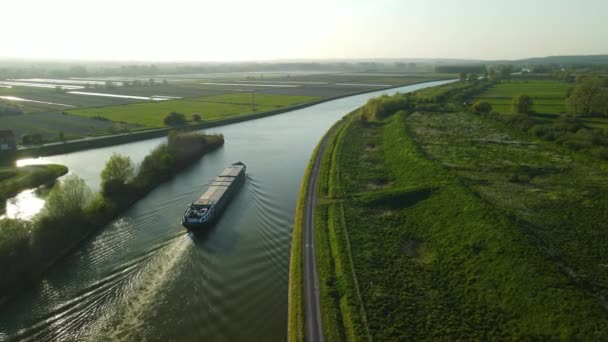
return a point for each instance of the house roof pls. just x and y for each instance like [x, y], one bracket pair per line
[7, 134]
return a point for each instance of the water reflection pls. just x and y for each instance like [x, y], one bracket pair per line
[24, 206]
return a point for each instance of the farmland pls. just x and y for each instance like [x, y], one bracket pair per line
[548, 96]
[212, 96]
[151, 114]
[461, 228]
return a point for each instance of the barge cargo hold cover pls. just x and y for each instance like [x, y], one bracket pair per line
[204, 211]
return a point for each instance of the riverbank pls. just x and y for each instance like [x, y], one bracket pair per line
[493, 238]
[296, 307]
[71, 214]
[122, 138]
[13, 180]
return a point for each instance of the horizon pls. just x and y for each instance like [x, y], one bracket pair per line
[290, 60]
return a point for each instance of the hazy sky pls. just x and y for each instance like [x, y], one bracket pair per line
[283, 29]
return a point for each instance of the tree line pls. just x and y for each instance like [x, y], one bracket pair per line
[72, 211]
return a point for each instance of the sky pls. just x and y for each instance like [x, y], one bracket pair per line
[244, 30]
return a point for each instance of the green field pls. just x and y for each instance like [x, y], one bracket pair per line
[211, 101]
[461, 228]
[152, 114]
[548, 96]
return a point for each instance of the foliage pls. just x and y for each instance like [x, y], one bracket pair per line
[15, 180]
[522, 104]
[381, 107]
[589, 97]
[67, 198]
[482, 107]
[455, 69]
[175, 119]
[118, 167]
[196, 117]
[452, 250]
[71, 213]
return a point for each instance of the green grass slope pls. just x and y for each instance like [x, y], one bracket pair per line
[435, 258]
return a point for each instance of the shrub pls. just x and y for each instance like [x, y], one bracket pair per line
[196, 117]
[481, 107]
[67, 198]
[175, 119]
[118, 168]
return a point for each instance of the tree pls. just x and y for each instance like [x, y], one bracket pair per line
[473, 78]
[175, 119]
[482, 107]
[522, 104]
[196, 117]
[68, 197]
[462, 76]
[588, 96]
[118, 167]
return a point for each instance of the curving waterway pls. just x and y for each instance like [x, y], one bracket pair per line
[144, 278]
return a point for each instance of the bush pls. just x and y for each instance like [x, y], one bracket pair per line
[381, 107]
[196, 117]
[118, 168]
[175, 119]
[67, 198]
[481, 107]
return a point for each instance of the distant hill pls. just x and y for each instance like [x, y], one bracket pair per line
[593, 59]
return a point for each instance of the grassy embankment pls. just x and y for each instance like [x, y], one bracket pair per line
[71, 214]
[461, 228]
[295, 306]
[16, 179]
[342, 313]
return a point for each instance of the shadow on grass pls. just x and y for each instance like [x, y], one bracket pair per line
[394, 198]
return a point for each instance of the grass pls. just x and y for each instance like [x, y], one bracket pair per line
[152, 114]
[456, 236]
[14, 180]
[267, 100]
[50, 124]
[548, 96]
[342, 313]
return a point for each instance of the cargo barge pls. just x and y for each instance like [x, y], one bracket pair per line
[206, 210]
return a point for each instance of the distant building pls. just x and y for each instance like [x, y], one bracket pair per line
[8, 143]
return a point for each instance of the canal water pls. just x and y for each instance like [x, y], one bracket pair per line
[144, 278]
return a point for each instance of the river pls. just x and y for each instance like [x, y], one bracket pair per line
[144, 278]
